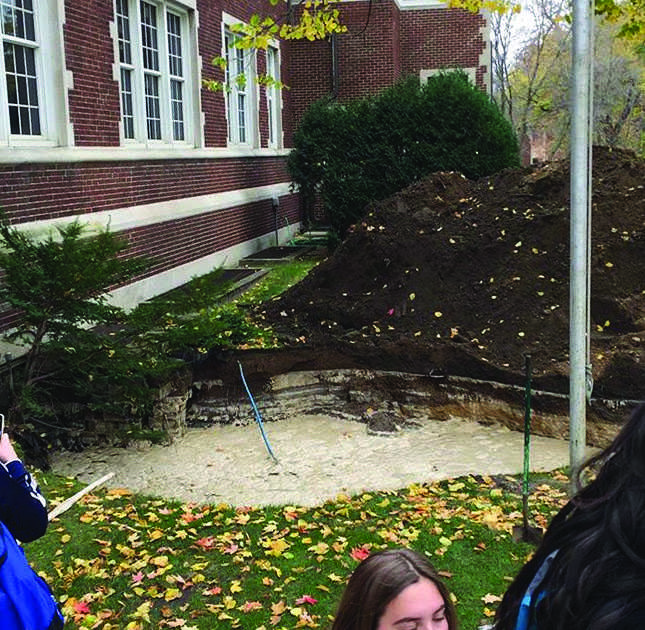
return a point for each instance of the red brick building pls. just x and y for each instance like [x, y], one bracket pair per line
[104, 117]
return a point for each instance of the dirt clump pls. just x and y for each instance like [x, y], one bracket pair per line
[467, 277]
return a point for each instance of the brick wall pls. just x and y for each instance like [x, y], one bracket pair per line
[94, 101]
[32, 192]
[179, 241]
[441, 38]
[382, 45]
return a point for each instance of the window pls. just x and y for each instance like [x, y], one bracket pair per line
[154, 72]
[274, 106]
[29, 70]
[241, 112]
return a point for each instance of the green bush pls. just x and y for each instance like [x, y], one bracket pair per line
[363, 151]
[60, 285]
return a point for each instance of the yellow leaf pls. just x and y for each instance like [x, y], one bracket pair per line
[119, 492]
[143, 612]
[160, 561]
[319, 549]
[229, 602]
[172, 593]
[276, 547]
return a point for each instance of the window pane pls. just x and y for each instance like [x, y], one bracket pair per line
[35, 121]
[241, 117]
[19, 59]
[12, 89]
[126, 103]
[25, 126]
[153, 111]
[14, 121]
[30, 31]
[7, 18]
[177, 110]
[149, 36]
[9, 63]
[22, 90]
[123, 25]
[18, 19]
[174, 45]
[239, 58]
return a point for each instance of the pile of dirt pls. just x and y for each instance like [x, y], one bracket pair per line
[467, 277]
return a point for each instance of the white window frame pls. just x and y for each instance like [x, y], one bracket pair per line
[274, 97]
[50, 80]
[148, 119]
[242, 122]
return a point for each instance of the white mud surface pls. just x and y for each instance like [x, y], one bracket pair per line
[319, 457]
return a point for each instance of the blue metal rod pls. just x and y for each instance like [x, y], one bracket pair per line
[258, 417]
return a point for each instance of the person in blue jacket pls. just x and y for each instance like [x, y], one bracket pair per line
[589, 571]
[26, 601]
[22, 506]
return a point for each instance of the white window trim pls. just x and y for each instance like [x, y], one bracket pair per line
[192, 131]
[274, 97]
[53, 84]
[252, 91]
[471, 73]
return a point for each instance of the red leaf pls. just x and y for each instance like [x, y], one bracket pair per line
[81, 608]
[137, 577]
[306, 599]
[206, 543]
[360, 553]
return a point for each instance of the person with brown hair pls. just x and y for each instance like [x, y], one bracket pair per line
[395, 589]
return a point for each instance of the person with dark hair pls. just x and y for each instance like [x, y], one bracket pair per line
[395, 589]
[589, 571]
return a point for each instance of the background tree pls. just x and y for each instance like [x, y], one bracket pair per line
[619, 91]
[532, 81]
[528, 66]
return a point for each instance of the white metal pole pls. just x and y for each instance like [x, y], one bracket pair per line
[579, 233]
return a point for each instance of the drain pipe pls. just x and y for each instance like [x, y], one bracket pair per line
[335, 73]
[258, 417]
[275, 204]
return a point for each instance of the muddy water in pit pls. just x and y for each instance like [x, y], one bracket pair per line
[318, 458]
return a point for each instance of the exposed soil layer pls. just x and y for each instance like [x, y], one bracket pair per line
[467, 277]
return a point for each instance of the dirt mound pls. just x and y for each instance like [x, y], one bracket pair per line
[466, 277]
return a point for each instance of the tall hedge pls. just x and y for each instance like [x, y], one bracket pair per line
[365, 150]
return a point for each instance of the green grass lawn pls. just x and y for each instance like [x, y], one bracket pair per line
[119, 560]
